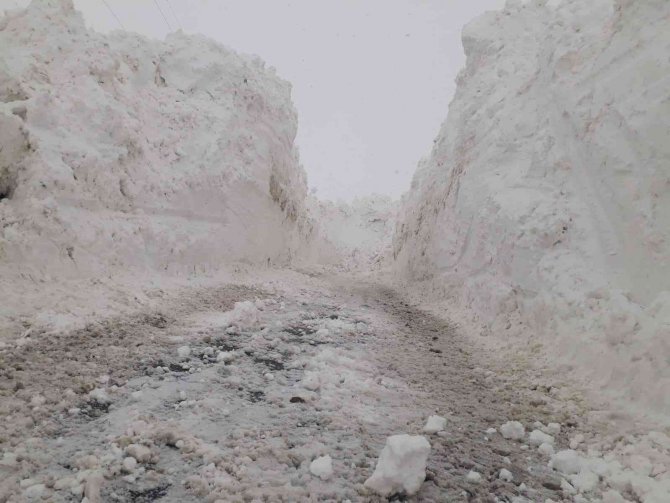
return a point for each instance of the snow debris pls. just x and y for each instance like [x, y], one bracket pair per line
[225, 356]
[491, 431]
[567, 461]
[435, 424]
[537, 438]
[505, 475]
[401, 466]
[99, 395]
[37, 400]
[244, 315]
[553, 429]
[576, 441]
[183, 351]
[546, 449]
[567, 488]
[141, 453]
[129, 464]
[513, 430]
[311, 381]
[473, 477]
[585, 481]
[322, 467]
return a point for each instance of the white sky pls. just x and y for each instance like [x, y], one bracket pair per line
[372, 79]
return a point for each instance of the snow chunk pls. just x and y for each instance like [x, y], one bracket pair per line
[184, 351]
[243, 315]
[140, 452]
[473, 477]
[322, 467]
[506, 475]
[513, 430]
[538, 437]
[312, 381]
[546, 449]
[100, 396]
[401, 466]
[129, 464]
[567, 461]
[435, 424]
[553, 429]
[585, 481]
[225, 356]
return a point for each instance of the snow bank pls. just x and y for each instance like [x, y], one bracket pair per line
[544, 207]
[119, 153]
[354, 235]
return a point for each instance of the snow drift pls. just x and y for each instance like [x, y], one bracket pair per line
[121, 153]
[544, 207]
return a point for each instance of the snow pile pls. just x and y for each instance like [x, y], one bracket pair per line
[401, 467]
[544, 207]
[121, 154]
[353, 235]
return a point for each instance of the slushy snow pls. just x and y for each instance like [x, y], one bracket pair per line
[401, 467]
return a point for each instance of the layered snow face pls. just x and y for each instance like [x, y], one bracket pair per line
[354, 235]
[544, 206]
[122, 152]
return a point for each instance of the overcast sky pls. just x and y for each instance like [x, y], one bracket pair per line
[372, 79]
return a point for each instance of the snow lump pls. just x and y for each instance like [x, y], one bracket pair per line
[401, 467]
[322, 467]
[435, 424]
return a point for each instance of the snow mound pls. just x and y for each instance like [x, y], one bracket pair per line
[543, 208]
[121, 154]
[401, 467]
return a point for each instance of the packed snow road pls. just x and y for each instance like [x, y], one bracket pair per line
[271, 394]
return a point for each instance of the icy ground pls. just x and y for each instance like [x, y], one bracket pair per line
[209, 400]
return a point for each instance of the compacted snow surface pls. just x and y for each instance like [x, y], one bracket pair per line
[180, 321]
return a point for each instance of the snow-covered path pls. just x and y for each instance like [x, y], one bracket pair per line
[202, 402]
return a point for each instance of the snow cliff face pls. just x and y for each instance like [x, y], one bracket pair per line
[121, 152]
[545, 203]
[354, 235]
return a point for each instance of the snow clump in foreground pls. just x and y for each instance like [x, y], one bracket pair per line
[401, 467]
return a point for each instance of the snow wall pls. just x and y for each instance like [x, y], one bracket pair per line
[353, 236]
[119, 152]
[544, 207]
